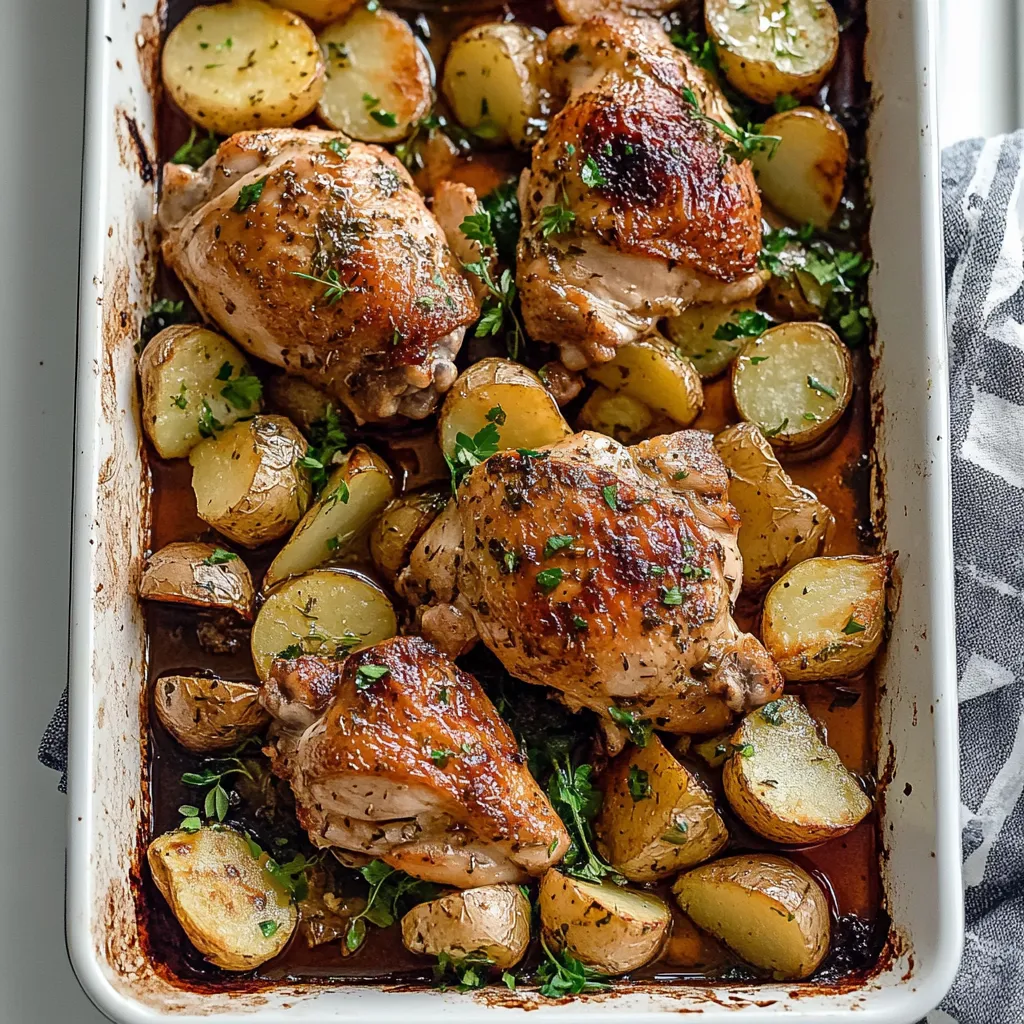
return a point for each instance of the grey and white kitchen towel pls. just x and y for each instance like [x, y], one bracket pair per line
[983, 213]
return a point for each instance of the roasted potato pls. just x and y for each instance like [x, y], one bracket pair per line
[492, 920]
[616, 414]
[825, 619]
[353, 498]
[301, 402]
[575, 12]
[795, 382]
[325, 612]
[378, 78]
[318, 10]
[247, 480]
[656, 819]
[692, 333]
[781, 524]
[187, 374]
[494, 82]
[401, 525]
[230, 907]
[199, 574]
[767, 48]
[793, 293]
[765, 908]
[243, 65]
[601, 924]
[527, 416]
[793, 788]
[804, 176]
[714, 750]
[205, 714]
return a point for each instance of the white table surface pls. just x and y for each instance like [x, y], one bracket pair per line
[41, 75]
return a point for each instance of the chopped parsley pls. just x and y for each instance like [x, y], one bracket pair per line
[471, 451]
[639, 729]
[853, 626]
[558, 542]
[638, 784]
[561, 974]
[591, 174]
[249, 195]
[671, 597]
[746, 323]
[326, 439]
[268, 928]
[776, 430]
[772, 712]
[244, 391]
[677, 834]
[549, 579]
[367, 675]
[815, 384]
[339, 147]
[382, 117]
[785, 101]
[556, 219]
[208, 423]
[219, 556]
[610, 493]
[195, 151]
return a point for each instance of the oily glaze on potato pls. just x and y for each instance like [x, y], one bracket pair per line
[825, 619]
[199, 574]
[656, 819]
[318, 10]
[764, 907]
[491, 921]
[793, 788]
[400, 526]
[205, 714]
[232, 910]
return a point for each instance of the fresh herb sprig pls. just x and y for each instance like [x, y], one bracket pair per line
[746, 323]
[326, 439]
[743, 144]
[216, 802]
[576, 801]
[196, 149]
[561, 974]
[471, 451]
[390, 892]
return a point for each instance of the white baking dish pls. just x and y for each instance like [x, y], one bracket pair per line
[917, 716]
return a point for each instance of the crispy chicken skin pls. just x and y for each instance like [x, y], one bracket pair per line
[662, 216]
[385, 343]
[414, 767]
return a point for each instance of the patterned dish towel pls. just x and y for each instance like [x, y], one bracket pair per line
[983, 216]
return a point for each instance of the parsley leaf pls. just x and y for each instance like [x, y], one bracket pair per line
[326, 439]
[249, 195]
[391, 893]
[638, 783]
[549, 579]
[196, 151]
[557, 543]
[556, 219]
[470, 971]
[576, 801]
[746, 323]
[853, 626]
[561, 974]
[243, 392]
[471, 451]
[367, 675]
[639, 729]
[219, 556]
[591, 174]
[785, 101]
[671, 597]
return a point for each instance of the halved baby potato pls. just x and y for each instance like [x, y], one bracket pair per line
[354, 496]
[764, 907]
[230, 907]
[301, 402]
[378, 78]
[575, 12]
[602, 924]
[656, 819]
[189, 373]
[793, 788]
[795, 382]
[243, 65]
[491, 921]
[618, 415]
[825, 619]
[400, 526]
[205, 714]
[770, 47]
[804, 176]
[714, 750]
[247, 481]
[781, 524]
[318, 10]
[328, 612]
[494, 82]
[199, 574]
[692, 332]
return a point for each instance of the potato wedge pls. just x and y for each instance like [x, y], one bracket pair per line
[247, 483]
[714, 750]
[243, 65]
[804, 177]
[795, 382]
[692, 333]
[825, 619]
[325, 612]
[199, 574]
[318, 10]
[618, 415]
[781, 524]
[529, 417]
[206, 714]
[494, 80]
[601, 924]
[793, 788]
[765, 908]
[232, 910]
[492, 920]
[301, 402]
[185, 371]
[770, 47]
[401, 525]
[353, 498]
[378, 78]
[656, 819]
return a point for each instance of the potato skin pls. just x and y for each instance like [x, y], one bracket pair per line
[207, 715]
[401, 525]
[181, 573]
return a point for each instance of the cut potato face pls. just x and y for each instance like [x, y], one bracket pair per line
[493, 80]
[714, 750]
[804, 176]
[229, 906]
[793, 788]
[199, 574]
[326, 612]
[781, 524]
[188, 374]
[247, 480]
[617, 415]
[825, 619]
[205, 714]
[353, 498]
[770, 47]
[401, 525]
[243, 65]
[492, 921]
[692, 333]
[794, 382]
[656, 819]
[765, 908]
[531, 417]
[378, 79]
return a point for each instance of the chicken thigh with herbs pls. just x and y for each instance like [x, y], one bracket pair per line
[317, 254]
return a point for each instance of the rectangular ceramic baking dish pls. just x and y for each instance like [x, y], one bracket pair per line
[916, 729]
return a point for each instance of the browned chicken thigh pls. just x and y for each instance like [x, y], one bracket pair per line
[408, 761]
[632, 208]
[317, 254]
